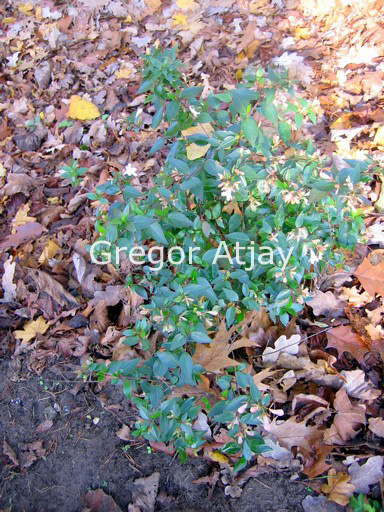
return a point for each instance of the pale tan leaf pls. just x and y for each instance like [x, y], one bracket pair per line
[31, 329]
[376, 425]
[347, 420]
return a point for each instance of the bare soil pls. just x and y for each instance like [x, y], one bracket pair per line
[81, 452]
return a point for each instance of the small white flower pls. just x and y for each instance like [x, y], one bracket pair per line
[228, 194]
[138, 114]
[130, 170]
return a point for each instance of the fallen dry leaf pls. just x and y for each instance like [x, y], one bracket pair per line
[347, 420]
[124, 433]
[23, 234]
[367, 474]
[338, 489]
[371, 277]
[144, 493]
[376, 425]
[32, 329]
[345, 339]
[324, 304]
[81, 109]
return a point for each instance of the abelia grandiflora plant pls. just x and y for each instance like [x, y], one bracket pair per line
[236, 170]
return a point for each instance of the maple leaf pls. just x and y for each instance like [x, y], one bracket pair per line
[215, 357]
[31, 329]
[79, 108]
[338, 488]
[345, 339]
[371, 277]
[21, 217]
[348, 418]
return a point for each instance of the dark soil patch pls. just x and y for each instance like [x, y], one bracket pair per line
[81, 452]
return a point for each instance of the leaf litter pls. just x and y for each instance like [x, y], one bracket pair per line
[77, 71]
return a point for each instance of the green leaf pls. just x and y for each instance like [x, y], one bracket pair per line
[269, 111]
[237, 236]
[213, 168]
[156, 120]
[159, 143]
[240, 464]
[142, 222]
[324, 185]
[179, 220]
[186, 365]
[200, 337]
[191, 92]
[285, 132]
[251, 130]
[172, 110]
[156, 232]
[298, 120]
[146, 85]
[312, 116]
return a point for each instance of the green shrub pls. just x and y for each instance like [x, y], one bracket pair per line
[234, 169]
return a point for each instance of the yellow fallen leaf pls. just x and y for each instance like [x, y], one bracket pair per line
[204, 128]
[26, 8]
[21, 217]
[179, 19]
[3, 171]
[194, 151]
[302, 33]
[218, 457]
[255, 6]
[79, 108]
[49, 251]
[239, 75]
[31, 329]
[379, 137]
[338, 488]
[187, 5]
[9, 20]
[123, 73]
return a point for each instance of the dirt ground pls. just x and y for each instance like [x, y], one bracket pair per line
[81, 452]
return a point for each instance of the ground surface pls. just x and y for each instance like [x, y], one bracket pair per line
[76, 455]
[59, 436]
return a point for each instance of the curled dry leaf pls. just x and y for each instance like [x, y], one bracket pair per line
[356, 297]
[124, 433]
[10, 453]
[7, 283]
[98, 501]
[338, 487]
[47, 284]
